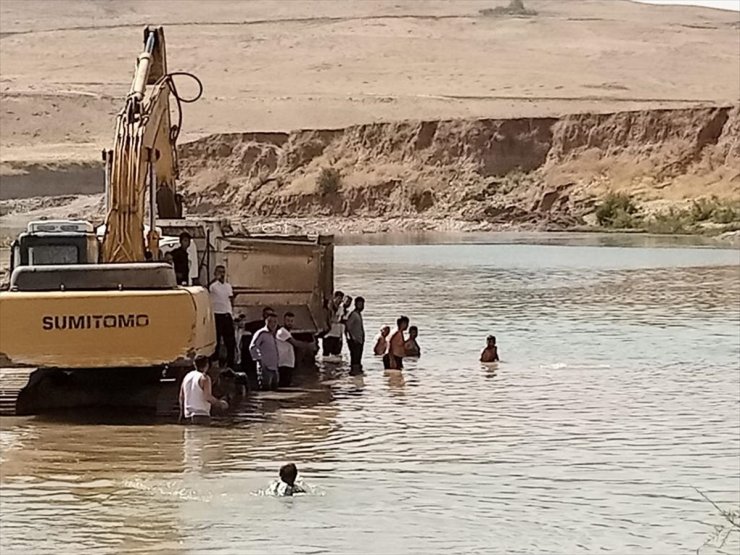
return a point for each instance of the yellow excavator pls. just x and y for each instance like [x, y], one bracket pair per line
[86, 322]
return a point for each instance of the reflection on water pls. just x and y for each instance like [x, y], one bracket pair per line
[396, 382]
[533, 238]
[617, 394]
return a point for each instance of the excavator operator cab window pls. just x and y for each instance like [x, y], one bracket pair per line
[55, 242]
[52, 249]
[52, 254]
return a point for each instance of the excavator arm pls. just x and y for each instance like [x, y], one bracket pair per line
[143, 162]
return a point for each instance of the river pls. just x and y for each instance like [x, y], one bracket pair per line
[618, 394]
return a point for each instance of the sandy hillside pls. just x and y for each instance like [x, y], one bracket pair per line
[437, 110]
[283, 65]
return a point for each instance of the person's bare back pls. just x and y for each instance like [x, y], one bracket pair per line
[381, 341]
[393, 360]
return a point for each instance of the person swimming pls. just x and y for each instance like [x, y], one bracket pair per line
[490, 353]
[411, 347]
[286, 486]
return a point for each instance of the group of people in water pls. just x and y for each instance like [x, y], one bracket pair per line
[343, 321]
[395, 347]
[266, 351]
[271, 348]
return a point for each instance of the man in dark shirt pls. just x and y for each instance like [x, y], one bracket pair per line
[180, 259]
[355, 329]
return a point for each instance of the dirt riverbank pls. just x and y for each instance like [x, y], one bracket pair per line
[407, 115]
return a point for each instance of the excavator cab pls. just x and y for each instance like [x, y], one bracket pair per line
[55, 242]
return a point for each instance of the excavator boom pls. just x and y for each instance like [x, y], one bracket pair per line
[143, 162]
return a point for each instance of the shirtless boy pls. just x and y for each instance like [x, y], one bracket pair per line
[393, 360]
[411, 346]
[490, 353]
[381, 341]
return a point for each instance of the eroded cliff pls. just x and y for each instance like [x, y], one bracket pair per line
[548, 171]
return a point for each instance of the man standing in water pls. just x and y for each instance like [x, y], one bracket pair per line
[196, 397]
[346, 308]
[332, 341]
[393, 360]
[222, 297]
[264, 351]
[356, 335]
[286, 350]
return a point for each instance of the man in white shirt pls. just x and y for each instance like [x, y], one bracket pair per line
[193, 264]
[196, 397]
[222, 297]
[286, 349]
[333, 338]
[288, 484]
[287, 346]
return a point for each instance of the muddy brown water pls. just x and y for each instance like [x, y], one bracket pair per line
[618, 394]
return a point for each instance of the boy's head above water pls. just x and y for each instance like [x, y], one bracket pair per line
[288, 473]
[491, 341]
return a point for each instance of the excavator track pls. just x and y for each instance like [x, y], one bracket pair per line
[30, 391]
[168, 404]
[12, 381]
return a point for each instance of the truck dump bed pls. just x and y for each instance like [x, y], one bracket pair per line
[285, 272]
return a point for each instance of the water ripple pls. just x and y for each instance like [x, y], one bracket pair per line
[617, 394]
